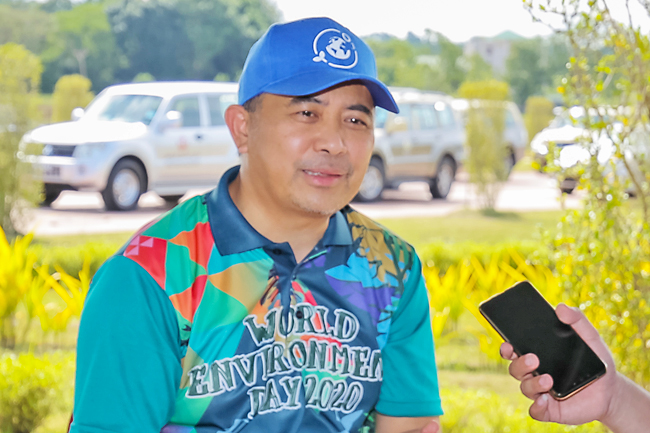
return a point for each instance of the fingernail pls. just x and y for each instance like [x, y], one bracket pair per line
[542, 399]
[529, 361]
[545, 381]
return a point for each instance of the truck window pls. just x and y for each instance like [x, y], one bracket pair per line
[189, 108]
[217, 105]
[124, 108]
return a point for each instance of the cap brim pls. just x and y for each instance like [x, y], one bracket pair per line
[311, 82]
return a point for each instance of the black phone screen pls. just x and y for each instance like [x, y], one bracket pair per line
[527, 321]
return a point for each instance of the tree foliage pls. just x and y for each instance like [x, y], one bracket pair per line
[603, 249]
[20, 74]
[485, 125]
[70, 91]
[153, 37]
[538, 114]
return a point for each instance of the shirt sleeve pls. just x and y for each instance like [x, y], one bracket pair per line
[128, 353]
[410, 378]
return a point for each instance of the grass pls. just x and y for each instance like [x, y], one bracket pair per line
[474, 226]
[458, 227]
[112, 239]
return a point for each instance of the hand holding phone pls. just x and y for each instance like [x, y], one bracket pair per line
[529, 323]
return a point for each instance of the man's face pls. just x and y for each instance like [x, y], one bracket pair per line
[310, 154]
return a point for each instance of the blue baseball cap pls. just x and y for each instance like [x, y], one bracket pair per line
[307, 56]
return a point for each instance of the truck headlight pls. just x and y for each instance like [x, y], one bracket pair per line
[88, 150]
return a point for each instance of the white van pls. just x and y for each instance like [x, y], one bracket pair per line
[424, 142]
[167, 137]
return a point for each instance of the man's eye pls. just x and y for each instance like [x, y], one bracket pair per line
[307, 113]
[358, 121]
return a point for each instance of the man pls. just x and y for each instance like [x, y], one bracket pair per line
[269, 305]
[614, 400]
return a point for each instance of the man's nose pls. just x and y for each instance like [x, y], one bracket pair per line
[331, 139]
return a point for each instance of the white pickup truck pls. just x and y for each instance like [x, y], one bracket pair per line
[167, 137]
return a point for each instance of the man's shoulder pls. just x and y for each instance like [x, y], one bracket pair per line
[362, 226]
[184, 217]
[186, 225]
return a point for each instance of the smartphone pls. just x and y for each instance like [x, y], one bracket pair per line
[526, 320]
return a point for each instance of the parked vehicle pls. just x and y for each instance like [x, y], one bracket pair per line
[577, 143]
[167, 137]
[515, 134]
[424, 142]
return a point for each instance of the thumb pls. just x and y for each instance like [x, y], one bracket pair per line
[539, 409]
[432, 427]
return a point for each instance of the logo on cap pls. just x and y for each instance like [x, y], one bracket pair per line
[336, 49]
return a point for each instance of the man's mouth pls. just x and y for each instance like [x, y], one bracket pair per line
[322, 173]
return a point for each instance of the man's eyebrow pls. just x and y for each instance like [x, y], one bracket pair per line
[302, 99]
[360, 107]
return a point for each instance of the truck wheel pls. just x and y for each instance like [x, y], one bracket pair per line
[172, 200]
[373, 182]
[50, 193]
[125, 186]
[441, 184]
[509, 163]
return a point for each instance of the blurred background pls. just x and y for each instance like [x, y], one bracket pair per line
[520, 152]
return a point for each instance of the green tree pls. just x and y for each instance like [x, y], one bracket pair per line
[524, 71]
[153, 37]
[20, 74]
[70, 91]
[537, 115]
[485, 124]
[450, 62]
[602, 251]
[222, 32]
[432, 62]
[29, 27]
[83, 43]
[477, 68]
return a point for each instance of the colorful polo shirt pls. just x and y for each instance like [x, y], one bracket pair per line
[201, 324]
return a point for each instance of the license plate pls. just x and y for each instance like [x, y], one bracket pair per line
[52, 171]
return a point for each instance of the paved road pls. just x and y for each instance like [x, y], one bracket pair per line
[75, 212]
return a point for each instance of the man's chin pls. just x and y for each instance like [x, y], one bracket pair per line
[324, 208]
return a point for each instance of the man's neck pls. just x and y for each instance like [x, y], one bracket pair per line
[301, 230]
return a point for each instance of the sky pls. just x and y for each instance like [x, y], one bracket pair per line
[458, 20]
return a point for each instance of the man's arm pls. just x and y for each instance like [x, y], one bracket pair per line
[613, 400]
[393, 424]
[128, 353]
[409, 389]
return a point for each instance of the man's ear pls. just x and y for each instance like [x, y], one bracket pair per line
[238, 121]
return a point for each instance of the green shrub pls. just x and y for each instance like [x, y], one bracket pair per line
[480, 411]
[20, 77]
[486, 151]
[30, 390]
[144, 77]
[537, 115]
[444, 255]
[71, 258]
[70, 91]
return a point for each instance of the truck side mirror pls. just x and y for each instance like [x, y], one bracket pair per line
[77, 113]
[173, 119]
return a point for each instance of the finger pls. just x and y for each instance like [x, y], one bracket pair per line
[539, 409]
[534, 386]
[523, 366]
[584, 328]
[507, 352]
[577, 319]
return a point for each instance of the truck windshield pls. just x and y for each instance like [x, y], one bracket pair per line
[124, 108]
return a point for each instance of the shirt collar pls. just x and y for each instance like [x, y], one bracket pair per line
[233, 234]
